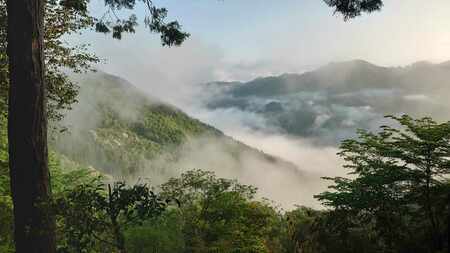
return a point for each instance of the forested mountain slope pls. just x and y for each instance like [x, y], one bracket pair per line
[118, 130]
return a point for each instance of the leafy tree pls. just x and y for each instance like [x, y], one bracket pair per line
[300, 221]
[220, 215]
[162, 234]
[353, 8]
[92, 216]
[62, 91]
[398, 184]
[27, 106]
[155, 20]
[332, 231]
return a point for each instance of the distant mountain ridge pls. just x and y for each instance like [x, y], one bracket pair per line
[340, 96]
[339, 74]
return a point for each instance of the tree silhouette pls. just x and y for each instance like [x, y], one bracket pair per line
[353, 8]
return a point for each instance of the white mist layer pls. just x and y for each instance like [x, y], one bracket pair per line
[275, 183]
[278, 181]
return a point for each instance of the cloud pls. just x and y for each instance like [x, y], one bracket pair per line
[416, 97]
[312, 161]
[277, 180]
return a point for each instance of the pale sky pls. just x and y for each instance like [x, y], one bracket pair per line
[240, 40]
[305, 31]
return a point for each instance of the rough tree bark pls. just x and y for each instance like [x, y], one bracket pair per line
[27, 128]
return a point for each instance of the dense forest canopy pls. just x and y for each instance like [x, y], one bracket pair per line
[395, 200]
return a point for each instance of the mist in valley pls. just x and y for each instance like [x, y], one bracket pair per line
[286, 170]
[320, 116]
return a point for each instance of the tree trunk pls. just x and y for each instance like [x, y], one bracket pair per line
[119, 239]
[435, 231]
[448, 222]
[27, 129]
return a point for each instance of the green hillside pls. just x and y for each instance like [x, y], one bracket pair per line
[120, 131]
